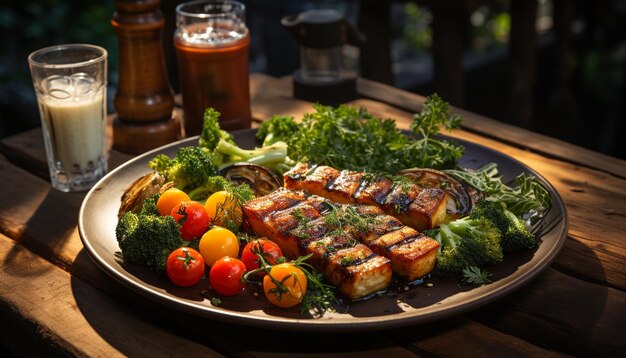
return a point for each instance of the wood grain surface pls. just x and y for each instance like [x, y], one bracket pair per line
[56, 301]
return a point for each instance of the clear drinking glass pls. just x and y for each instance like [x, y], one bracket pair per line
[212, 43]
[70, 82]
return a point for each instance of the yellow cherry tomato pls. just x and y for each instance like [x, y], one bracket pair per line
[222, 207]
[291, 288]
[169, 199]
[217, 243]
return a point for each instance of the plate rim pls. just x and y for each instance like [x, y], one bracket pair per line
[351, 324]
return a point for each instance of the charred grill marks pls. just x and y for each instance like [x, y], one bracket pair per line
[415, 205]
[356, 247]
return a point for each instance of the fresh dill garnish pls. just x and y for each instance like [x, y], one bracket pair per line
[300, 231]
[300, 217]
[403, 182]
[347, 260]
[340, 219]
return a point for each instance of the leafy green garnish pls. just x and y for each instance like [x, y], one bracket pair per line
[527, 197]
[350, 138]
[429, 151]
[474, 275]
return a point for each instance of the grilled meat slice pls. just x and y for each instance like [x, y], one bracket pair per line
[416, 206]
[299, 229]
[414, 257]
[342, 188]
[259, 209]
[357, 271]
[356, 247]
[412, 254]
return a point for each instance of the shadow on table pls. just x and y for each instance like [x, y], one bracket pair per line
[45, 224]
[561, 312]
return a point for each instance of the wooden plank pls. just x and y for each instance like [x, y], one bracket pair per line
[41, 218]
[73, 317]
[559, 312]
[264, 108]
[432, 345]
[596, 204]
[467, 338]
[504, 132]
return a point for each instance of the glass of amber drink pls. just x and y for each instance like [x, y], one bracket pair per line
[212, 43]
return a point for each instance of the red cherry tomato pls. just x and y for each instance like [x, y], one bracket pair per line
[225, 276]
[193, 219]
[269, 249]
[185, 267]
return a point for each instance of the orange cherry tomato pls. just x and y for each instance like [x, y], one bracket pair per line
[222, 207]
[291, 288]
[217, 243]
[169, 199]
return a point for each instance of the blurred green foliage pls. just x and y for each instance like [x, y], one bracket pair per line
[489, 27]
[417, 30]
[26, 26]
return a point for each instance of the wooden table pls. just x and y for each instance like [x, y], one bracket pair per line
[55, 300]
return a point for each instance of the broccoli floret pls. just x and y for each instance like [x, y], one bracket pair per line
[517, 237]
[277, 128]
[149, 206]
[191, 167]
[211, 132]
[210, 186]
[222, 149]
[147, 240]
[467, 242]
[514, 233]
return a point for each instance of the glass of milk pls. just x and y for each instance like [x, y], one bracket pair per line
[70, 82]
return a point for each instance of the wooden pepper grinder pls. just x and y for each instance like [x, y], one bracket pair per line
[144, 100]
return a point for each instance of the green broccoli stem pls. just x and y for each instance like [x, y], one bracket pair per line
[517, 222]
[448, 237]
[272, 154]
[461, 226]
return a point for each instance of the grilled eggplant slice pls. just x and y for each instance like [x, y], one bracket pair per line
[260, 179]
[140, 190]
